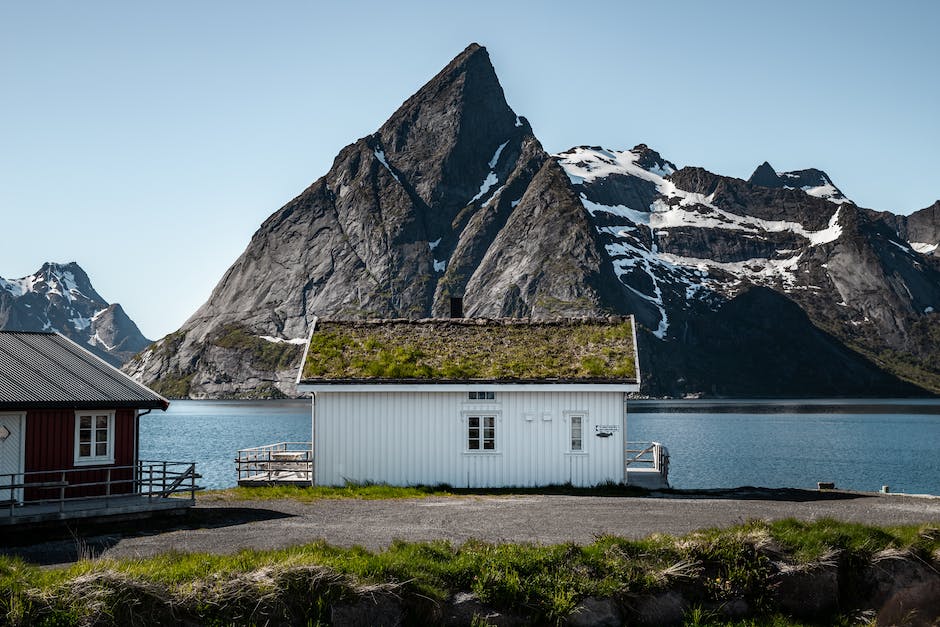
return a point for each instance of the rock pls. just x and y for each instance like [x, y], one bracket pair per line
[466, 609]
[735, 608]
[892, 574]
[594, 611]
[808, 593]
[371, 610]
[662, 609]
[918, 606]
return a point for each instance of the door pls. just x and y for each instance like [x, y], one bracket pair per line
[12, 444]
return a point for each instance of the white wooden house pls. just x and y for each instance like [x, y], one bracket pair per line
[475, 403]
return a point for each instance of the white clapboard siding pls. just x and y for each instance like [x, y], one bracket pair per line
[420, 438]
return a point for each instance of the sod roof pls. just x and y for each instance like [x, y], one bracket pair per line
[598, 350]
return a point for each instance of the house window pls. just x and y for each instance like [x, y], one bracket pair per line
[577, 433]
[481, 433]
[482, 396]
[94, 437]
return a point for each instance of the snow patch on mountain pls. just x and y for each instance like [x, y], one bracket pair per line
[280, 340]
[491, 178]
[823, 188]
[649, 272]
[589, 164]
[380, 155]
[924, 248]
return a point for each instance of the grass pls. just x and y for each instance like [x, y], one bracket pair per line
[371, 491]
[173, 385]
[452, 350]
[310, 494]
[298, 584]
[262, 354]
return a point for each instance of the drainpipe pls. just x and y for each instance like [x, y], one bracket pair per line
[137, 469]
[313, 438]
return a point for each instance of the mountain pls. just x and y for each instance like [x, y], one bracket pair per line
[687, 241]
[60, 297]
[455, 196]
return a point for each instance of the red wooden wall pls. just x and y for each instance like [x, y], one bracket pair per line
[50, 445]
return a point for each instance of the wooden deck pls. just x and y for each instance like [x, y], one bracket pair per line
[298, 478]
[646, 465]
[133, 504]
[284, 463]
[139, 490]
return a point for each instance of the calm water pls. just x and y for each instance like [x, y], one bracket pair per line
[859, 446]
[210, 433]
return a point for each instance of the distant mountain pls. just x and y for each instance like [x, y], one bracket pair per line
[455, 196]
[60, 297]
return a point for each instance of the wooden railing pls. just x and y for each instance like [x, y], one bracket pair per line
[151, 479]
[647, 455]
[276, 462]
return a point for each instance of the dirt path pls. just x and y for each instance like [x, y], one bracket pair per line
[226, 527]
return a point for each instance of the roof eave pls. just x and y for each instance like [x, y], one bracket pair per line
[410, 385]
[161, 404]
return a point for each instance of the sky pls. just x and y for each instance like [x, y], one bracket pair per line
[148, 141]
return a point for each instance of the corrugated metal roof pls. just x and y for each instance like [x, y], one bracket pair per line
[49, 370]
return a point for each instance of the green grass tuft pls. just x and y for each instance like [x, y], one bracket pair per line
[545, 583]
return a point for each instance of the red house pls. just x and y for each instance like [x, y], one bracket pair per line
[69, 435]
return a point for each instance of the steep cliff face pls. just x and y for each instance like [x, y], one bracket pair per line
[60, 297]
[455, 196]
[452, 196]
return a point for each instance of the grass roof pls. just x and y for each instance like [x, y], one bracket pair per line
[440, 350]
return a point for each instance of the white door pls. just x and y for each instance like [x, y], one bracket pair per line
[12, 445]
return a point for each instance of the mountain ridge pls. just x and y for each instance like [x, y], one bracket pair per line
[455, 196]
[60, 297]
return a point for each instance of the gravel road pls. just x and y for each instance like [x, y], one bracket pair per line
[226, 527]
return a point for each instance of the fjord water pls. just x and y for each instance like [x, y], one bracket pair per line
[210, 433]
[858, 445]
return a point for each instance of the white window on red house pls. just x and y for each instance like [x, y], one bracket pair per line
[94, 437]
[481, 433]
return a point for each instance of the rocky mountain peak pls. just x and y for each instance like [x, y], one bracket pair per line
[812, 181]
[68, 277]
[60, 297]
[652, 161]
[765, 176]
[443, 138]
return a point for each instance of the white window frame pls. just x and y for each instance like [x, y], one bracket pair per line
[569, 418]
[482, 414]
[484, 395]
[89, 460]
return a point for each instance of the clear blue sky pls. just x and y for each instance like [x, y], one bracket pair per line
[147, 141]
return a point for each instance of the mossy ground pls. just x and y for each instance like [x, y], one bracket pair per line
[462, 351]
[262, 354]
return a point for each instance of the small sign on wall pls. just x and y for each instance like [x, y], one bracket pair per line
[605, 431]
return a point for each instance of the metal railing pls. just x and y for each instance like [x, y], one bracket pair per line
[284, 461]
[647, 455]
[151, 479]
